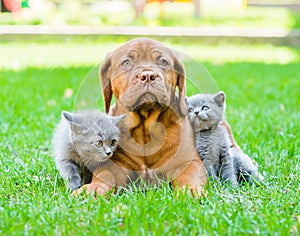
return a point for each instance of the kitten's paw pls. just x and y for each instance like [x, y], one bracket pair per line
[74, 187]
[231, 182]
[98, 188]
[253, 178]
[257, 179]
[75, 183]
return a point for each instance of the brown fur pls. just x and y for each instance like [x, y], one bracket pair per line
[156, 137]
[232, 142]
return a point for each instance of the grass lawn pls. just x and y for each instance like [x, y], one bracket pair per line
[263, 100]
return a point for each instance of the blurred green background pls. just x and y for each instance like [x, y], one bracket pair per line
[238, 13]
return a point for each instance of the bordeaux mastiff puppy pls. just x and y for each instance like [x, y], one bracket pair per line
[156, 141]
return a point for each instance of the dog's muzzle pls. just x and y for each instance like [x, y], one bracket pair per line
[147, 76]
[147, 90]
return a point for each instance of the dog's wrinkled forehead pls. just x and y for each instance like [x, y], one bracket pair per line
[142, 44]
[141, 50]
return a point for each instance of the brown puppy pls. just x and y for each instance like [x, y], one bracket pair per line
[156, 137]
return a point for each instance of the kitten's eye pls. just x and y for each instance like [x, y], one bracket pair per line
[126, 62]
[99, 143]
[205, 108]
[163, 62]
[190, 110]
[113, 142]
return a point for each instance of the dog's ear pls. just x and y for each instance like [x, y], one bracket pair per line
[105, 82]
[179, 67]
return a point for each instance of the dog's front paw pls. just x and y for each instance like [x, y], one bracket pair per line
[98, 188]
[198, 191]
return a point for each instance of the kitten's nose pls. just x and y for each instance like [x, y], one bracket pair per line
[108, 153]
[196, 112]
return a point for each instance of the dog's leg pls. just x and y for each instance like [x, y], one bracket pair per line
[99, 185]
[105, 179]
[192, 178]
[98, 188]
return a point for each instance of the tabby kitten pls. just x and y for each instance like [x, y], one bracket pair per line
[81, 142]
[206, 112]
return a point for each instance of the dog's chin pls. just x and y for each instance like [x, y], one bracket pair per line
[147, 101]
[147, 98]
[148, 106]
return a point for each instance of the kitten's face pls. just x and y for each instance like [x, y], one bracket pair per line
[205, 111]
[95, 144]
[95, 135]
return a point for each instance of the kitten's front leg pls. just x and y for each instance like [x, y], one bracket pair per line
[227, 167]
[211, 172]
[70, 172]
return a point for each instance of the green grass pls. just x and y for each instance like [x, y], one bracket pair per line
[262, 86]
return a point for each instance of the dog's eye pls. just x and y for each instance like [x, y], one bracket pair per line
[113, 142]
[190, 109]
[163, 62]
[126, 62]
[205, 108]
[99, 143]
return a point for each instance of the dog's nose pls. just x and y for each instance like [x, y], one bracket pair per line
[147, 75]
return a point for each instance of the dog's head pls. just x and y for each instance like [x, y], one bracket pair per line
[143, 74]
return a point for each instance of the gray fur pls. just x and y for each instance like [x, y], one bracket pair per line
[214, 144]
[246, 169]
[205, 112]
[77, 144]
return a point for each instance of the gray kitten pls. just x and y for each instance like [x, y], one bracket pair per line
[82, 141]
[215, 143]
[206, 112]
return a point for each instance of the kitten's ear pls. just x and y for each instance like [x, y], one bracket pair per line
[219, 98]
[186, 100]
[75, 122]
[118, 119]
[67, 115]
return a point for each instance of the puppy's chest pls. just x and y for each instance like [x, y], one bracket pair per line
[151, 137]
[147, 156]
